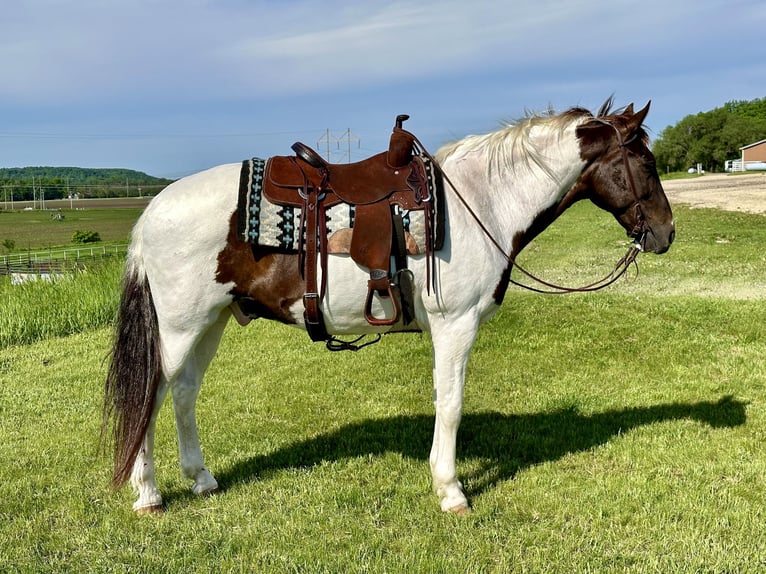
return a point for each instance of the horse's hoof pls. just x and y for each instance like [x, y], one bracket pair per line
[150, 509]
[460, 510]
[204, 484]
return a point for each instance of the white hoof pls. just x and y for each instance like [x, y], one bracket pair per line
[205, 484]
[453, 499]
[151, 509]
[149, 499]
[460, 509]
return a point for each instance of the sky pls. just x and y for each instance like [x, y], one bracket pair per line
[172, 87]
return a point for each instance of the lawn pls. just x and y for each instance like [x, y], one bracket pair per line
[619, 431]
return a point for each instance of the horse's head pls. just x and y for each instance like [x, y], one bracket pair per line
[621, 177]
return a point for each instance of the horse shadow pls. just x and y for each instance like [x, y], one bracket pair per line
[505, 444]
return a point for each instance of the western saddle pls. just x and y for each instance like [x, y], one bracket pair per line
[379, 188]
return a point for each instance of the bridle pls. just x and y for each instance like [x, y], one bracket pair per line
[639, 230]
[638, 234]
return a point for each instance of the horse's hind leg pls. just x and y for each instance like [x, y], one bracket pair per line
[185, 390]
[186, 355]
[142, 476]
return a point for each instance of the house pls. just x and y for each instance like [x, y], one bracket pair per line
[754, 152]
[753, 158]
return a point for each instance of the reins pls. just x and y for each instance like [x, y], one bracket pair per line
[620, 268]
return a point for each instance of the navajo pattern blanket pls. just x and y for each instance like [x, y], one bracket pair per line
[263, 223]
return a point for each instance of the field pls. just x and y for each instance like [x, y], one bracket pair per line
[619, 431]
[111, 219]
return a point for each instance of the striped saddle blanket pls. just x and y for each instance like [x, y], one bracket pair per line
[263, 223]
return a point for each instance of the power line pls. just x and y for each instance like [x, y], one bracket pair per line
[159, 136]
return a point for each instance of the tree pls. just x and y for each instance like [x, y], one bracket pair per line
[712, 137]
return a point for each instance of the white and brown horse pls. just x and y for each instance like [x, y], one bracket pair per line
[187, 273]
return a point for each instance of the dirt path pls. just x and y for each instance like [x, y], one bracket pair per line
[722, 191]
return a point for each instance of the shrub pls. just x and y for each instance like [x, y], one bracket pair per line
[85, 237]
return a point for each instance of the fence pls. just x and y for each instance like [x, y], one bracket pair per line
[739, 165]
[53, 261]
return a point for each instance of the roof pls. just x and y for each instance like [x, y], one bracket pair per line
[753, 144]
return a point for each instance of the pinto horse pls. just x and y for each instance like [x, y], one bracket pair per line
[187, 273]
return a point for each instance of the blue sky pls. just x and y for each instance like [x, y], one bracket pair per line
[170, 87]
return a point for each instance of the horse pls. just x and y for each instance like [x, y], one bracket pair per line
[188, 272]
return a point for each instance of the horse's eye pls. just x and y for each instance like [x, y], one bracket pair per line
[650, 167]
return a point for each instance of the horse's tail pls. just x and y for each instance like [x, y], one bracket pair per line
[135, 369]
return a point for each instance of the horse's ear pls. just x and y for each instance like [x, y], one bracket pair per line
[629, 109]
[637, 120]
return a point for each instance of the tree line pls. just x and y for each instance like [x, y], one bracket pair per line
[28, 183]
[710, 138]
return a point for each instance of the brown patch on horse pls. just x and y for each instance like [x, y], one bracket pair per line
[266, 283]
[540, 223]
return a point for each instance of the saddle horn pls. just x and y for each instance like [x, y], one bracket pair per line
[400, 146]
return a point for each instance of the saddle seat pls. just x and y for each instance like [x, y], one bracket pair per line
[377, 187]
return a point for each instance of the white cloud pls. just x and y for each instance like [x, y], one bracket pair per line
[109, 49]
[158, 55]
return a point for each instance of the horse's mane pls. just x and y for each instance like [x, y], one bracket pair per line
[512, 145]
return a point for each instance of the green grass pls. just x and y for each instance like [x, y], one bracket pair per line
[716, 253]
[36, 229]
[619, 431]
[680, 175]
[73, 302]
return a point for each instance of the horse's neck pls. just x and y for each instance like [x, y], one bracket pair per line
[510, 196]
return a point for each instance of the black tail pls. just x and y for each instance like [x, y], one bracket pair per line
[134, 373]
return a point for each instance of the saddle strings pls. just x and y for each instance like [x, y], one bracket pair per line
[620, 268]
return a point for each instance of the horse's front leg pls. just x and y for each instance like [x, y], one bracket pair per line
[452, 344]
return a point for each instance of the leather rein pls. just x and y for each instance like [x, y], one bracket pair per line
[621, 267]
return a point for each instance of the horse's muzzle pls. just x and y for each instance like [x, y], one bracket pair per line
[658, 239]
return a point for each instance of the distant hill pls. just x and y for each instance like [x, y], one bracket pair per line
[25, 183]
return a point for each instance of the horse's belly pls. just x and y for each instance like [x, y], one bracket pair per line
[344, 302]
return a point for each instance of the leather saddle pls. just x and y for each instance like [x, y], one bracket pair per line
[378, 188]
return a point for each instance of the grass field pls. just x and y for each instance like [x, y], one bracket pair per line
[619, 431]
[37, 229]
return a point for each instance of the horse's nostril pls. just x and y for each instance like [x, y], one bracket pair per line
[672, 236]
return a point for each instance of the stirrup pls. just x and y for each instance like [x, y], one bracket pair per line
[389, 292]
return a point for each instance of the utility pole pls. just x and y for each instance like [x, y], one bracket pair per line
[326, 140]
[347, 137]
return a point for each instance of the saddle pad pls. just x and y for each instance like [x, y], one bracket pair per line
[263, 223]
